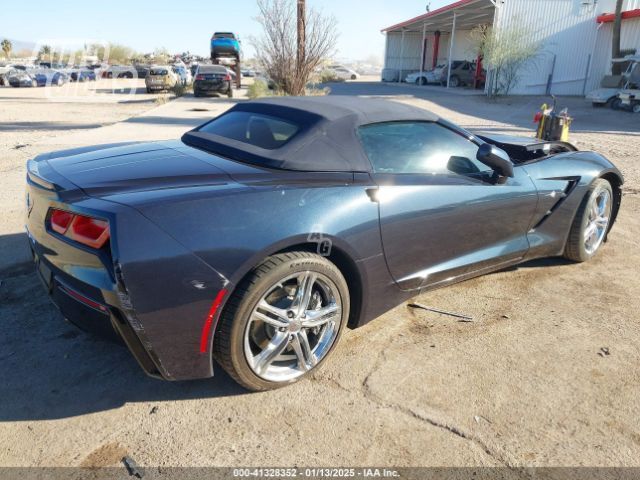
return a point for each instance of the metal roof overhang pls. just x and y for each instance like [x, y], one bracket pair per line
[468, 13]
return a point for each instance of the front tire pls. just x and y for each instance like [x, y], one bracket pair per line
[282, 321]
[591, 224]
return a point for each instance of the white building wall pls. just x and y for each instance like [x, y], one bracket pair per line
[566, 30]
[407, 57]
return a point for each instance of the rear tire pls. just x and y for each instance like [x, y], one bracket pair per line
[594, 214]
[636, 108]
[230, 92]
[278, 281]
[454, 81]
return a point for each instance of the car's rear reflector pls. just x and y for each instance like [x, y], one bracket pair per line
[90, 231]
[200, 77]
[82, 299]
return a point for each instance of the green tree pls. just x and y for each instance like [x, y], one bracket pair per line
[505, 53]
[45, 51]
[7, 46]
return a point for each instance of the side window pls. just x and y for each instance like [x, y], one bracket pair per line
[419, 148]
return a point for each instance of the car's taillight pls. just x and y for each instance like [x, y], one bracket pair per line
[199, 77]
[89, 231]
[227, 77]
[60, 221]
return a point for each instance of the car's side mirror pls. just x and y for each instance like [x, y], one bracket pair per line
[495, 158]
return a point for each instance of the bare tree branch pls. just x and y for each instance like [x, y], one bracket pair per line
[277, 49]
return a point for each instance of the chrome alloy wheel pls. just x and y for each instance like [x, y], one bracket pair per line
[598, 221]
[293, 326]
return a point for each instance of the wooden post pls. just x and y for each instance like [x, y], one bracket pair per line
[301, 33]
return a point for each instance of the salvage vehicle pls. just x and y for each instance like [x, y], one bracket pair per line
[255, 239]
[160, 78]
[426, 77]
[225, 45]
[37, 77]
[462, 73]
[342, 72]
[213, 79]
[82, 74]
[183, 74]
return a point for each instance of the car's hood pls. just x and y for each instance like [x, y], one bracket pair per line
[106, 170]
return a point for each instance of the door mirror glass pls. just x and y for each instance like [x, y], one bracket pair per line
[495, 158]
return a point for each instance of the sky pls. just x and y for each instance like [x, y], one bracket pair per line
[187, 25]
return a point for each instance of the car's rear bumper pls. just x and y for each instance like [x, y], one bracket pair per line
[133, 289]
[204, 87]
[86, 306]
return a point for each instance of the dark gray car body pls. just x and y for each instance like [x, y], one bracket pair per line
[187, 224]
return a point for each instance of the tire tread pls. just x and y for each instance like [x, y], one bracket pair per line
[222, 336]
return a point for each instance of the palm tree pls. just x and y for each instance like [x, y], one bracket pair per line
[7, 47]
[615, 43]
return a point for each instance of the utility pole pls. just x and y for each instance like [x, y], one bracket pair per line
[302, 17]
[615, 42]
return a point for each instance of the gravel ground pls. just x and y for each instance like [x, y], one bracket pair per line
[525, 384]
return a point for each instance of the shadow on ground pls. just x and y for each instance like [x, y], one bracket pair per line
[50, 369]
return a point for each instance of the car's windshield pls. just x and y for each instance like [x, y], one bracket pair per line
[158, 71]
[262, 131]
[224, 35]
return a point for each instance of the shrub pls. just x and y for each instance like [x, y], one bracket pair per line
[327, 76]
[258, 89]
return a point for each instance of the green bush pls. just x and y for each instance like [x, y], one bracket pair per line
[327, 76]
[257, 89]
[179, 90]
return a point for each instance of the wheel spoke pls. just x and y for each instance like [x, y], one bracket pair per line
[300, 343]
[317, 318]
[303, 293]
[275, 347]
[281, 320]
[602, 204]
[589, 231]
[602, 222]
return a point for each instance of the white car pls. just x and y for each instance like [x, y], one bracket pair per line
[426, 77]
[343, 72]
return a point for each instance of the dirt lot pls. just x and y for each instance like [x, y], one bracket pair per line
[523, 385]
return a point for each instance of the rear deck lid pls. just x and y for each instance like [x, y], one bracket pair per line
[134, 168]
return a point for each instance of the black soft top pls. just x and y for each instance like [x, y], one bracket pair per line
[327, 138]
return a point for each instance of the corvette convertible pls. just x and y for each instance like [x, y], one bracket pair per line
[255, 239]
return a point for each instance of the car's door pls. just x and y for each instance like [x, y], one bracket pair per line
[442, 213]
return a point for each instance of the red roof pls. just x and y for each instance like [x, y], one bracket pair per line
[424, 16]
[611, 17]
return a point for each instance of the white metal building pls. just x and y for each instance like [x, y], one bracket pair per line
[575, 36]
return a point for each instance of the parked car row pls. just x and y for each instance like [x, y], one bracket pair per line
[463, 73]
